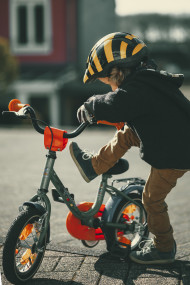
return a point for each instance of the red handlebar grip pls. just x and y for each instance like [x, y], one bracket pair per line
[15, 105]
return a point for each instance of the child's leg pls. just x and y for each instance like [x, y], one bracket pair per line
[159, 184]
[114, 150]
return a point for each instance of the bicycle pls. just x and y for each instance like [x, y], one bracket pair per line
[121, 222]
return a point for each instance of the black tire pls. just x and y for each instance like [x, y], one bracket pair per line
[20, 258]
[118, 217]
[90, 243]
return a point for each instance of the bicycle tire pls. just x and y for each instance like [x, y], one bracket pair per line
[14, 241]
[118, 215]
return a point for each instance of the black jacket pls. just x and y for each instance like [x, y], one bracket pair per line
[153, 106]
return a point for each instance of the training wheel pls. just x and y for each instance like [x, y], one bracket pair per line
[90, 243]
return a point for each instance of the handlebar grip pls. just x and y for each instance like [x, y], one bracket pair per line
[15, 105]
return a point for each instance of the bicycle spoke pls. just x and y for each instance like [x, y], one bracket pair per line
[25, 257]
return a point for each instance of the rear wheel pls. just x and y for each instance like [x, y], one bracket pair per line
[128, 213]
[21, 258]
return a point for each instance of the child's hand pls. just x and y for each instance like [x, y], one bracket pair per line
[83, 115]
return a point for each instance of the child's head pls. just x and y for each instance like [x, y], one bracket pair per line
[118, 74]
[115, 77]
[114, 56]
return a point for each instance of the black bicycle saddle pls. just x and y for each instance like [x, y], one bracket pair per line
[120, 167]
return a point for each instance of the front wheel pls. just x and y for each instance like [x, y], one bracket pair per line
[128, 213]
[21, 258]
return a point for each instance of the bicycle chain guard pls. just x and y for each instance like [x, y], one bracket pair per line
[82, 232]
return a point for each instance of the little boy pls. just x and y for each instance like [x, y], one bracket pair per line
[157, 120]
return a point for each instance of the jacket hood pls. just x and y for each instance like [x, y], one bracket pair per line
[166, 83]
[173, 79]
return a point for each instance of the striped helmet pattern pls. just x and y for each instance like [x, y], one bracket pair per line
[115, 48]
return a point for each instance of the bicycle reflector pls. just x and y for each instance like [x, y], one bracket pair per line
[54, 140]
[26, 232]
[15, 105]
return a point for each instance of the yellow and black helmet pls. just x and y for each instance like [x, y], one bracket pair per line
[118, 48]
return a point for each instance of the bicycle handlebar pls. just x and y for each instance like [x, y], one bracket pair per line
[77, 132]
[22, 113]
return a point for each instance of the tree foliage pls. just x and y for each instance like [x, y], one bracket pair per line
[8, 65]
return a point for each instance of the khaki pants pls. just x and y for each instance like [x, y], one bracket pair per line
[159, 184]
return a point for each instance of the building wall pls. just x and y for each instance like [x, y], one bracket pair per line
[71, 30]
[76, 26]
[4, 18]
[58, 53]
[95, 20]
[63, 32]
[58, 37]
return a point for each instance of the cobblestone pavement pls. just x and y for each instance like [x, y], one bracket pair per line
[65, 265]
[66, 261]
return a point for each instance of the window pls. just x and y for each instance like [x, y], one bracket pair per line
[30, 26]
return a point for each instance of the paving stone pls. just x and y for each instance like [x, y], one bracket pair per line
[53, 253]
[153, 281]
[186, 269]
[69, 264]
[4, 280]
[89, 267]
[150, 271]
[90, 259]
[48, 278]
[86, 278]
[48, 264]
[116, 277]
[103, 266]
[185, 280]
[183, 251]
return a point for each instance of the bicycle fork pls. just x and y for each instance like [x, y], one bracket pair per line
[41, 196]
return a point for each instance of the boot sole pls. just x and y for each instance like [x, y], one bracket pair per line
[162, 261]
[78, 165]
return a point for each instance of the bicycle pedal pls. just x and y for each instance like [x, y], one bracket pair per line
[56, 196]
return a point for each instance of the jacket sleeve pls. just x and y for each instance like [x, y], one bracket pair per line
[116, 106]
[102, 106]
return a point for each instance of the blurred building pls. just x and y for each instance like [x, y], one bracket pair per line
[167, 37]
[52, 39]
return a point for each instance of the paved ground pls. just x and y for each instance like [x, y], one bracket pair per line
[65, 265]
[66, 261]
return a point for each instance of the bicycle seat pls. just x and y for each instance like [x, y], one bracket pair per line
[120, 167]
